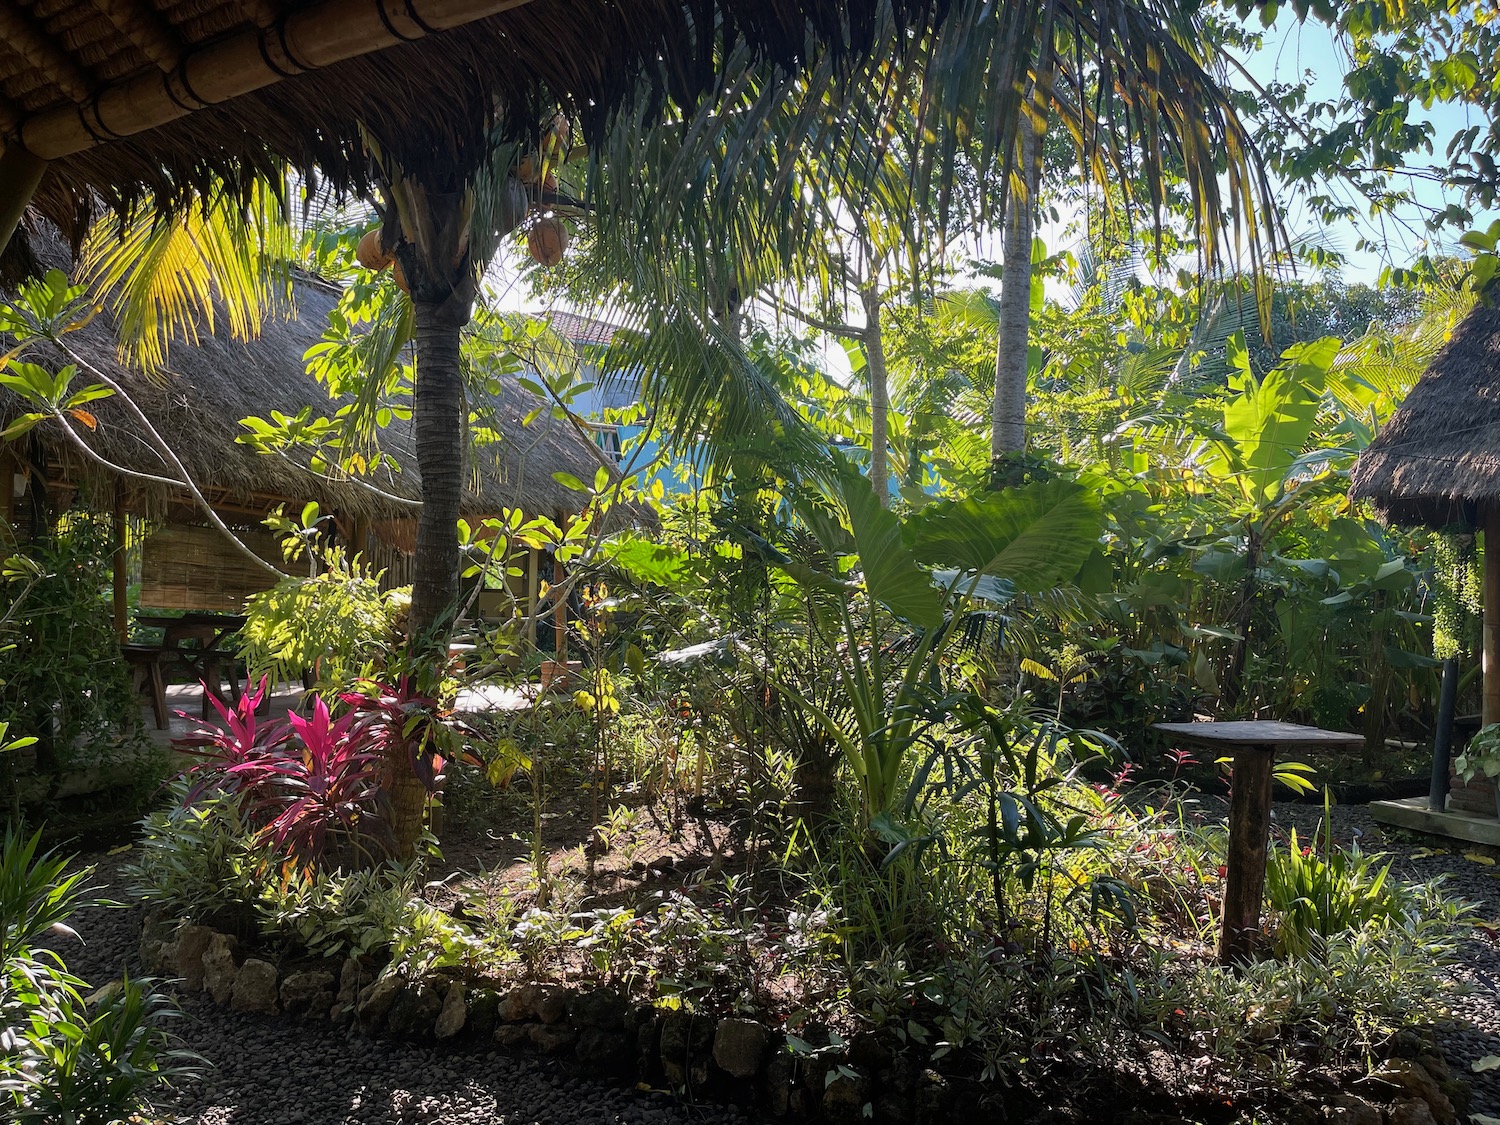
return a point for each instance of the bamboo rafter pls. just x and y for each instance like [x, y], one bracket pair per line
[23, 36]
[145, 28]
[308, 39]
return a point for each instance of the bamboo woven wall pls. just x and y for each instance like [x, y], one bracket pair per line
[196, 568]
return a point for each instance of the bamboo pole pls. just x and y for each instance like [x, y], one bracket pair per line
[533, 592]
[1492, 616]
[306, 39]
[20, 172]
[119, 563]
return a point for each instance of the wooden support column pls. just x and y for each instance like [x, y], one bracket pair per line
[20, 173]
[1492, 616]
[559, 617]
[533, 592]
[1249, 829]
[119, 563]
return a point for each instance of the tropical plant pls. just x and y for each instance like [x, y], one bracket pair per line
[1481, 757]
[886, 630]
[310, 788]
[62, 1062]
[1321, 890]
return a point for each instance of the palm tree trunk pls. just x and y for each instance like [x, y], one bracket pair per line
[880, 398]
[1008, 419]
[437, 422]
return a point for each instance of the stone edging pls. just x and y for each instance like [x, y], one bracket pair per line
[728, 1059]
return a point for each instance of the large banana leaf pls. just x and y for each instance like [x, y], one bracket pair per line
[1270, 420]
[1037, 536]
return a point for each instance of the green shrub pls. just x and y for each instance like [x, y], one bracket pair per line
[67, 1060]
[1321, 890]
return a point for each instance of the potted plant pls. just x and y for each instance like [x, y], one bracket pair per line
[1481, 758]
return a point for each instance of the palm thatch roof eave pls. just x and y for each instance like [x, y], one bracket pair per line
[1436, 463]
[198, 402]
[430, 101]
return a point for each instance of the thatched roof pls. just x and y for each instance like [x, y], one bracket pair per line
[197, 404]
[1437, 461]
[141, 98]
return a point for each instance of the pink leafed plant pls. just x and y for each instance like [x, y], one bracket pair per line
[306, 783]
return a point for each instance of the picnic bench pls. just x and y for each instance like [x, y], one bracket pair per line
[1252, 747]
[192, 643]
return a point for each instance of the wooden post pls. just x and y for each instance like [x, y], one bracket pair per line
[559, 619]
[533, 592]
[1491, 616]
[1245, 874]
[20, 173]
[119, 563]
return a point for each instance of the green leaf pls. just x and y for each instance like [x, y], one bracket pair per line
[891, 573]
[1038, 536]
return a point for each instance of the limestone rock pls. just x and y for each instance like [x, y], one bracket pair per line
[219, 969]
[156, 932]
[484, 1012]
[604, 1051]
[308, 993]
[599, 1007]
[415, 1011]
[845, 1097]
[552, 1005]
[1411, 1111]
[1414, 1081]
[254, 987]
[514, 1036]
[686, 1048]
[455, 1011]
[776, 1083]
[1350, 1109]
[740, 1047]
[551, 1038]
[375, 999]
[186, 957]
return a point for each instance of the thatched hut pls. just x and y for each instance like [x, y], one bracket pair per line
[197, 405]
[1436, 463]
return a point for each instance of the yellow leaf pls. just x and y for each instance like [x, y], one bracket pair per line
[1475, 857]
[121, 850]
[1423, 853]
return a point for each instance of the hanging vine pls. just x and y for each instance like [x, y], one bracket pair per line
[1458, 583]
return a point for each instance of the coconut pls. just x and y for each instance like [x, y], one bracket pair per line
[398, 275]
[547, 240]
[371, 251]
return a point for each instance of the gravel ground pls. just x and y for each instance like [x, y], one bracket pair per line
[280, 1072]
[1474, 1029]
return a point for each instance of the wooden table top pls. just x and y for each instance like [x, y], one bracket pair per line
[1267, 733]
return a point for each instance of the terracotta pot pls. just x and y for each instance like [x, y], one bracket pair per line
[557, 675]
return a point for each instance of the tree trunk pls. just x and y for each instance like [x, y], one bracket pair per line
[880, 398]
[437, 422]
[1008, 419]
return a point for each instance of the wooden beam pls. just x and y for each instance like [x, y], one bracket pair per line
[144, 27]
[1491, 697]
[23, 36]
[306, 39]
[20, 172]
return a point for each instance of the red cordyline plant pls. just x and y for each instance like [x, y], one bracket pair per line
[400, 721]
[307, 783]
